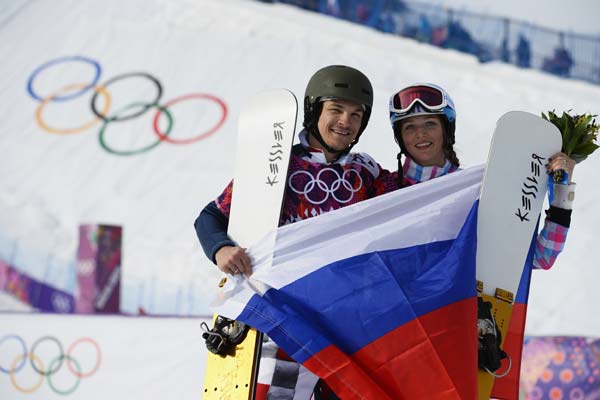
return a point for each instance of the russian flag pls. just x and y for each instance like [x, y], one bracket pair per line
[377, 298]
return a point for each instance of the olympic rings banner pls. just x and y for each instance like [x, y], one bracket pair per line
[102, 114]
[31, 291]
[100, 357]
[98, 269]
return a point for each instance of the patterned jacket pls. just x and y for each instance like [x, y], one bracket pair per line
[315, 187]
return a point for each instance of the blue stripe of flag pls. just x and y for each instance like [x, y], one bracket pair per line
[354, 301]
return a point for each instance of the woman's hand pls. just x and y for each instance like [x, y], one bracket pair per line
[561, 161]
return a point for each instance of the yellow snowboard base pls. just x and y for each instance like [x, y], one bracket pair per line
[502, 305]
[232, 377]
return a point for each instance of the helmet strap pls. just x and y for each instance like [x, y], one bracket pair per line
[400, 171]
[314, 132]
[398, 138]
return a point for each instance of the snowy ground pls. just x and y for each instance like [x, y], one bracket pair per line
[50, 182]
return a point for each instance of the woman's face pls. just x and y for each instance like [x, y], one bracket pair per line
[423, 137]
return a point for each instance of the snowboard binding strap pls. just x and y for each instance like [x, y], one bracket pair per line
[224, 336]
[490, 353]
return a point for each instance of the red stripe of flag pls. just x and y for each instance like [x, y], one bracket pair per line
[429, 357]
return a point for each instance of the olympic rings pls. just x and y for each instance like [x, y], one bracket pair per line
[59, 60]
[13, 379]
[98, 356]
[120, 115]
[341, 182]
[143, 149]
[60, 357]
[220, 103]
[42, 123]
[61, 302]
[145, 107]
[53, 367]
[14, 367]
[78, 375]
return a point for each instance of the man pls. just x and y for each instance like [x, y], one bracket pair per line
[323, 175]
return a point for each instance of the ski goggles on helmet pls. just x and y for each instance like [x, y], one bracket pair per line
[429, 96]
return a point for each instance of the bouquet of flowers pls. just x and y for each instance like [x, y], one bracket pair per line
[579, 133]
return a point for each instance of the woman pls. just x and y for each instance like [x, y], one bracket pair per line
[423, 118]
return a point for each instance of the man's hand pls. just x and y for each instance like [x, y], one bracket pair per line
[233, 260]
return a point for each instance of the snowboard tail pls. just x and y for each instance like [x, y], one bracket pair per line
[501, 307]
[233, 376]
[266, 130]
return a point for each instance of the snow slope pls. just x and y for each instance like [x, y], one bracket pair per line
[230, 49]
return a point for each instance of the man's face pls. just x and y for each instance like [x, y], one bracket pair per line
[339, 123]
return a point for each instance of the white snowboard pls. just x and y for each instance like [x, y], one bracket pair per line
[266, 130]
[512, 195]
[265, 137]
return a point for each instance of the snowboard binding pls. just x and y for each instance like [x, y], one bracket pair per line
[489, 336]
[224, 336]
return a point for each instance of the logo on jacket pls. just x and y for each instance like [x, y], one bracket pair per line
[328, 182]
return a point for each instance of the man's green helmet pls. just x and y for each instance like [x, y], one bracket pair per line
[339, 82]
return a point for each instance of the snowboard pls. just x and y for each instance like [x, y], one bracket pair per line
[266, 128]
[511, 199]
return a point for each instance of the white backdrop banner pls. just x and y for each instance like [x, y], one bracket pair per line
[45, 356]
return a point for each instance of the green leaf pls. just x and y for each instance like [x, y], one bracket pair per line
[578, 133]
[586, 148]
